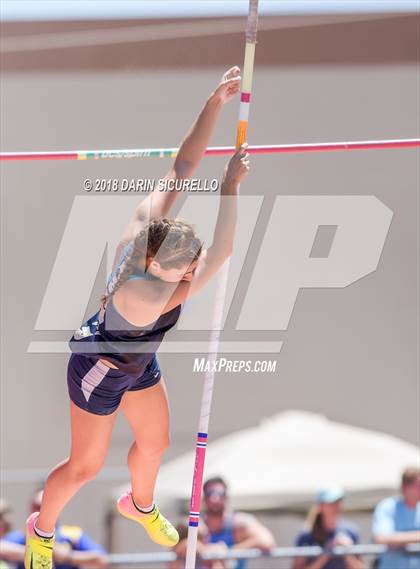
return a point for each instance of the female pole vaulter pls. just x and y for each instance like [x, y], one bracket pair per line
[158, 264]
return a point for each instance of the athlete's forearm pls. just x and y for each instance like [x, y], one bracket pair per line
[224, 232]
[192, 149]
[159, 203]
[197, 139]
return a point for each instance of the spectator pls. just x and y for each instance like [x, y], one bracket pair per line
[326, 529]
[6, 553]
[236, 530]
[202, 546]
[73, 548]
[5, 524]
[396, 523]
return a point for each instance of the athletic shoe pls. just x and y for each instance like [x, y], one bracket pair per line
[39, 550]
[157, 527]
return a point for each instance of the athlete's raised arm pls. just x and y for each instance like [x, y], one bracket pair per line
[158, 203]
[210, 260]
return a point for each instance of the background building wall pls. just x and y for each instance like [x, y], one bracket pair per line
[351, 353]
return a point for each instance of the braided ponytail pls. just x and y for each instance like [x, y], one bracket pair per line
[171, 241]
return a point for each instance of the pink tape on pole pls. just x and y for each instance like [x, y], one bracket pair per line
[198, 479]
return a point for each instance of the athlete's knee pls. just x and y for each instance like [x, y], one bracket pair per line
[81, 471]
[154, 447]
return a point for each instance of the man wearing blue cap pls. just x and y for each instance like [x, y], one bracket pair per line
[325, 528]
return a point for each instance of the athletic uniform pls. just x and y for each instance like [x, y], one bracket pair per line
[93, 385]
[98, 389]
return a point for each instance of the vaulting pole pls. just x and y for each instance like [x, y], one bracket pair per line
[195, 503]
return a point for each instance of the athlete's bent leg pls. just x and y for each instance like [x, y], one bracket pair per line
[147, 412]
[91, 435]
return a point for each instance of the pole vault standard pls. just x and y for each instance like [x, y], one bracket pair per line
[206, 401]
[213, 150]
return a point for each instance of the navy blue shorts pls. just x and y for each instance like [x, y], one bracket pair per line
[96, 388]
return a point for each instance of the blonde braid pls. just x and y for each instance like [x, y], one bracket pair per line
[173, 243]
[131, 262]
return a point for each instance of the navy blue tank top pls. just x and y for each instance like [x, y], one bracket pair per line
[131, 348]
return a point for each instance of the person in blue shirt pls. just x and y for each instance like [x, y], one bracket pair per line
[73, 549]
[222, 529]
[203, 547]
[237, 530]
[396, 523]
[5, 528]
[326, 528]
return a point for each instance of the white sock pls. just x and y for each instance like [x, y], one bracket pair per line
[146, 510]
[44, 534]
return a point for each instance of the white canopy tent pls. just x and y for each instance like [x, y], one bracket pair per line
[284, 461]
